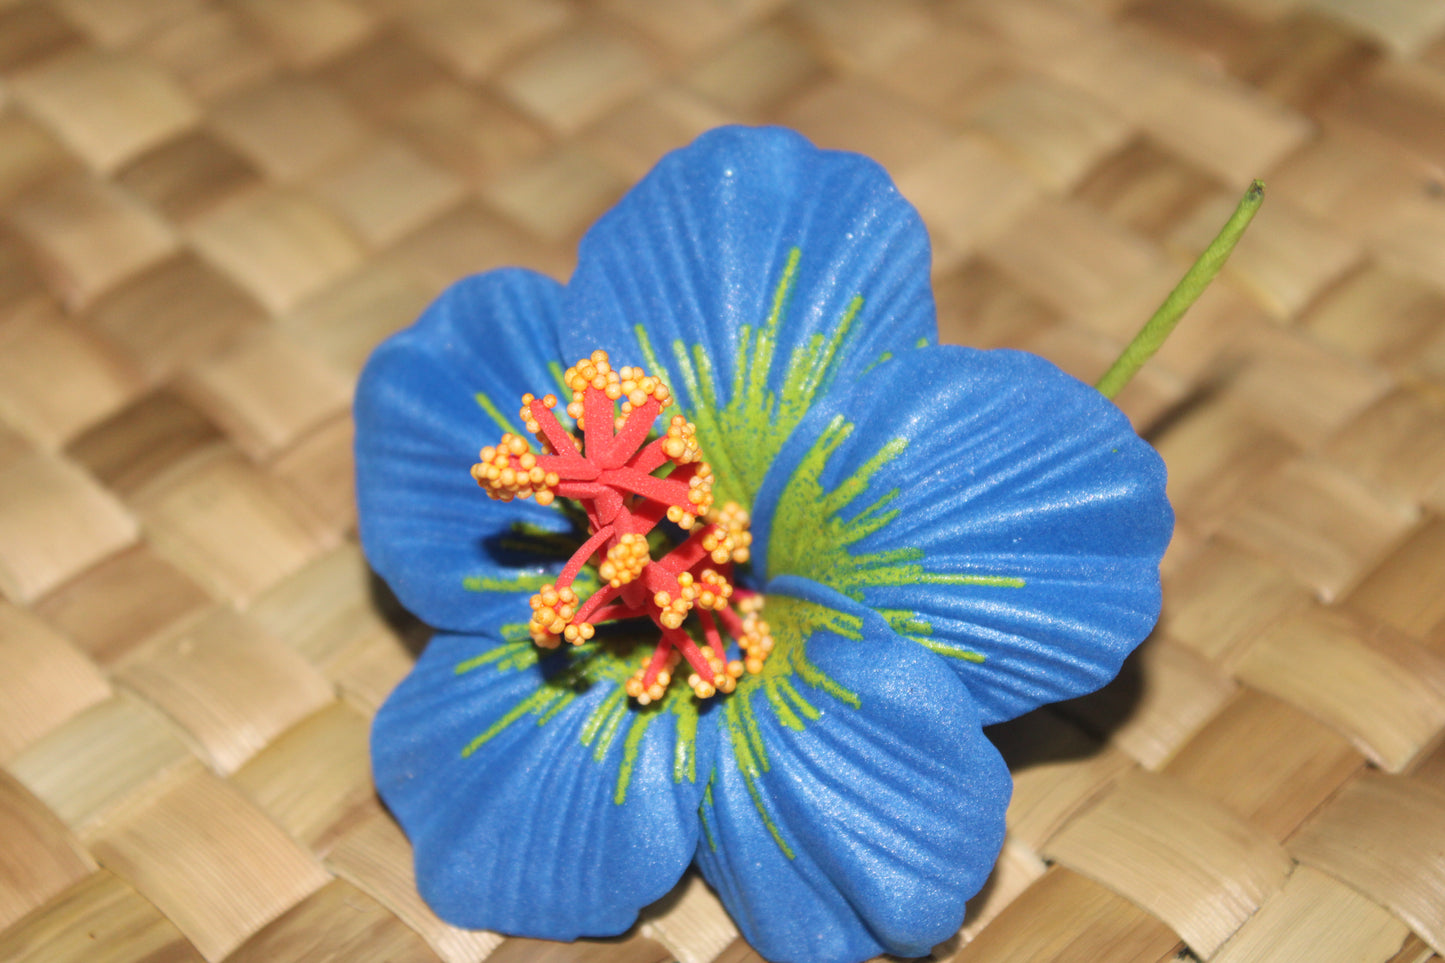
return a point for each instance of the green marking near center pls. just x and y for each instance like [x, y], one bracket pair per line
[812, 537]
[600, 662]
[741, 438]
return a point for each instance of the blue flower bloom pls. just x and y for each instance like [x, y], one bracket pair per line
[945, 538]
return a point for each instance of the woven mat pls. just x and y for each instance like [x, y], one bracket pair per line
[209, 213]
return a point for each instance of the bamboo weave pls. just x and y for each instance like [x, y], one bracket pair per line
[210, 212]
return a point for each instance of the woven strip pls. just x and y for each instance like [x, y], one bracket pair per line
[210, 212]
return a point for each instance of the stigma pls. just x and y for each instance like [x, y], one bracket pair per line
[628, 476]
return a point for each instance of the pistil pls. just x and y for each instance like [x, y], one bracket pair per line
[627, 479]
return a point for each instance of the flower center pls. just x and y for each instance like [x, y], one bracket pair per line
[627, 479]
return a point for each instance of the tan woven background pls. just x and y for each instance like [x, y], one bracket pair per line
[209, 213]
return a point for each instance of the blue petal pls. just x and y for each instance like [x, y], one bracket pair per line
[538, 804]
[429, 399]
[865, 828]
[990, 507]
[756, 271]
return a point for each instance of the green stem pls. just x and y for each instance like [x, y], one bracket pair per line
[1151, 337]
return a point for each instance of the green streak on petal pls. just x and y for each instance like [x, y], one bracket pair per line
[609, 731]
[741, 439]
[810, 377]
[816, 678]
[803, 706]
[781, 707]
[906, 623]
[956, 578]
[684, 758]
[522, 582]
[496, 415]
[720, 457]
[702, 816]
[737, 734]
[951, 652]
[768, 820]
[539, 700]
[557, 707]
[554, 367]
[810, 535]
[700, 387]
[782, 293]
[585, 583]
[885, 356]
[630, 748]
[743, 745]
[754, 734]
[603, 720]
[509, 656]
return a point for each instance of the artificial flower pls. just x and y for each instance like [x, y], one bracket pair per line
[942, 538]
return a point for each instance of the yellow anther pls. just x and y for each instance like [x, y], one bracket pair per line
[735, 538]
[625, 560]
[715, 590]
[529, 419]
[578, 632]
[680, 441]
[552, 609]
[510, 470]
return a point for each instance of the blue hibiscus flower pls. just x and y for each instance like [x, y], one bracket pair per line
[943, 538]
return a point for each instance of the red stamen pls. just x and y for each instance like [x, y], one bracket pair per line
[664, 490]
[710, 633]
[599, 598]
[634, 432]
[596, 425]
[689, 554]
[558, 437]
[657, 663]
[683, 643]
[650, 458]
[731, 621]
[582, 555]
[616, 613]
